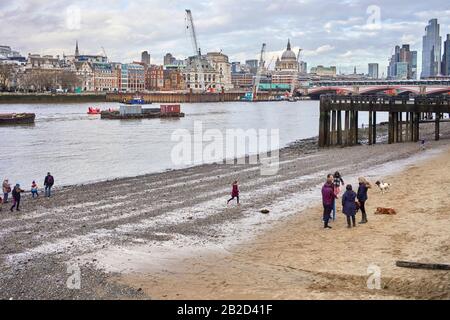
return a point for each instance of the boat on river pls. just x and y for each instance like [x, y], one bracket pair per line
[17, 118]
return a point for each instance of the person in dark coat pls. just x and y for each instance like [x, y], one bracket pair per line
[234, 192]
[349, 205]
[48, 183]
[364, 186]
[328, 198]
[16, 197]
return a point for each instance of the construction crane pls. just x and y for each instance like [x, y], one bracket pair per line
[258, 73]
[295, 78]
[197, 53]
[104, 53]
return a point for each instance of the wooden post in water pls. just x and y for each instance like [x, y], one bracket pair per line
[333, 128]
[328, 129]
[370, 137]
[347, 125]
[407, 127]
[356, 133]
[351, 137]
[374, 134]
[436, 126]
[391, 128]
[339, 127]
[322, 129]
[416, 126]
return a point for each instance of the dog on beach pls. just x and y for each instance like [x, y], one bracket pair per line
[388, 211]
[384, 187]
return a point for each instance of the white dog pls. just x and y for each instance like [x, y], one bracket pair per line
[384, 187]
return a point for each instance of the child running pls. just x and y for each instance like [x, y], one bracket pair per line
[234, 192]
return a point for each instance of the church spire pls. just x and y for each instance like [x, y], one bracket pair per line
[77, 52]
[289, 45]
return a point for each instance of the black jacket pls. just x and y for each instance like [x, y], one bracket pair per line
[46, 181]
[16, 193]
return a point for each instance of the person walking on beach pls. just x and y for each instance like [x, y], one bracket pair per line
[349, 205]
[328, 198]
[48, 183]
[6, 190]
[16, 197]
[234, 192]
[34, 189]
[363, 187]
[337, 182]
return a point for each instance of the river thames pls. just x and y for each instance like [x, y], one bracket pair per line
[79, 148]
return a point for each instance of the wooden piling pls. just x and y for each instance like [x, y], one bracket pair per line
[347, 127]
[436, 126]
[333, 128]
[374, 133]
[339, 127]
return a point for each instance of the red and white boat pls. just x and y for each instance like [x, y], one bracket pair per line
[92, 110]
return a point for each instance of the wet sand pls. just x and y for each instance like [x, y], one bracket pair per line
[122, 233]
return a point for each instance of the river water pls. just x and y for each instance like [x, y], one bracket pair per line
[77, 148]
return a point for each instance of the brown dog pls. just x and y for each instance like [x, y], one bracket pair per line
[388, 211]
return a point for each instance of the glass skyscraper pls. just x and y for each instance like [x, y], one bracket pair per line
[446, 57]
[431, 53]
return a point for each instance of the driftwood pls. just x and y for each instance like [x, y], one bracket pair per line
[418, 265]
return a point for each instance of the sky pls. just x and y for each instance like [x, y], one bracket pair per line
[343, 33]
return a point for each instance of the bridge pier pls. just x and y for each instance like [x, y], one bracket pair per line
[401, 128]
[436, 126]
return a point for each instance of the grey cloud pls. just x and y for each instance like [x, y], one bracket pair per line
[237, 27]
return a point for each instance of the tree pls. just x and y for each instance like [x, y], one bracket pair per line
[6, 75]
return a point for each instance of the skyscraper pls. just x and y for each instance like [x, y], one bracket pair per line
[145, 57]
[373, 70]
[446, 57]
[431, 53]
[403, 63]
[77, 52]
[169, 59]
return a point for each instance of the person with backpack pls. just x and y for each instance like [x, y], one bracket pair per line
[328, 199]
[6, 190]
[16, 197]
[363, 187]
[48, 183]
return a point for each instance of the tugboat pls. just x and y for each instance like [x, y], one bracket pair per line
[17, 118]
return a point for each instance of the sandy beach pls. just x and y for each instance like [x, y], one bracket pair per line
[298, 260]
[171, 235]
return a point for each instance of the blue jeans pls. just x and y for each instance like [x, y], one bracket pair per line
[34, 193]
[334, 210]
[5, 197]
[48, 191]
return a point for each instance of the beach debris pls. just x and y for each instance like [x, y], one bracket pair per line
[418, 265]
[264, 211]
[388, 211]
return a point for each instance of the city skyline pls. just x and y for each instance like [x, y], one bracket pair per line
[361, 34]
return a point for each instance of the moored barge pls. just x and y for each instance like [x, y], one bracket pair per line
[17, 118]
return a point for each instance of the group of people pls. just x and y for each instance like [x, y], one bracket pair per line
[16, 192]
[352, 201]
